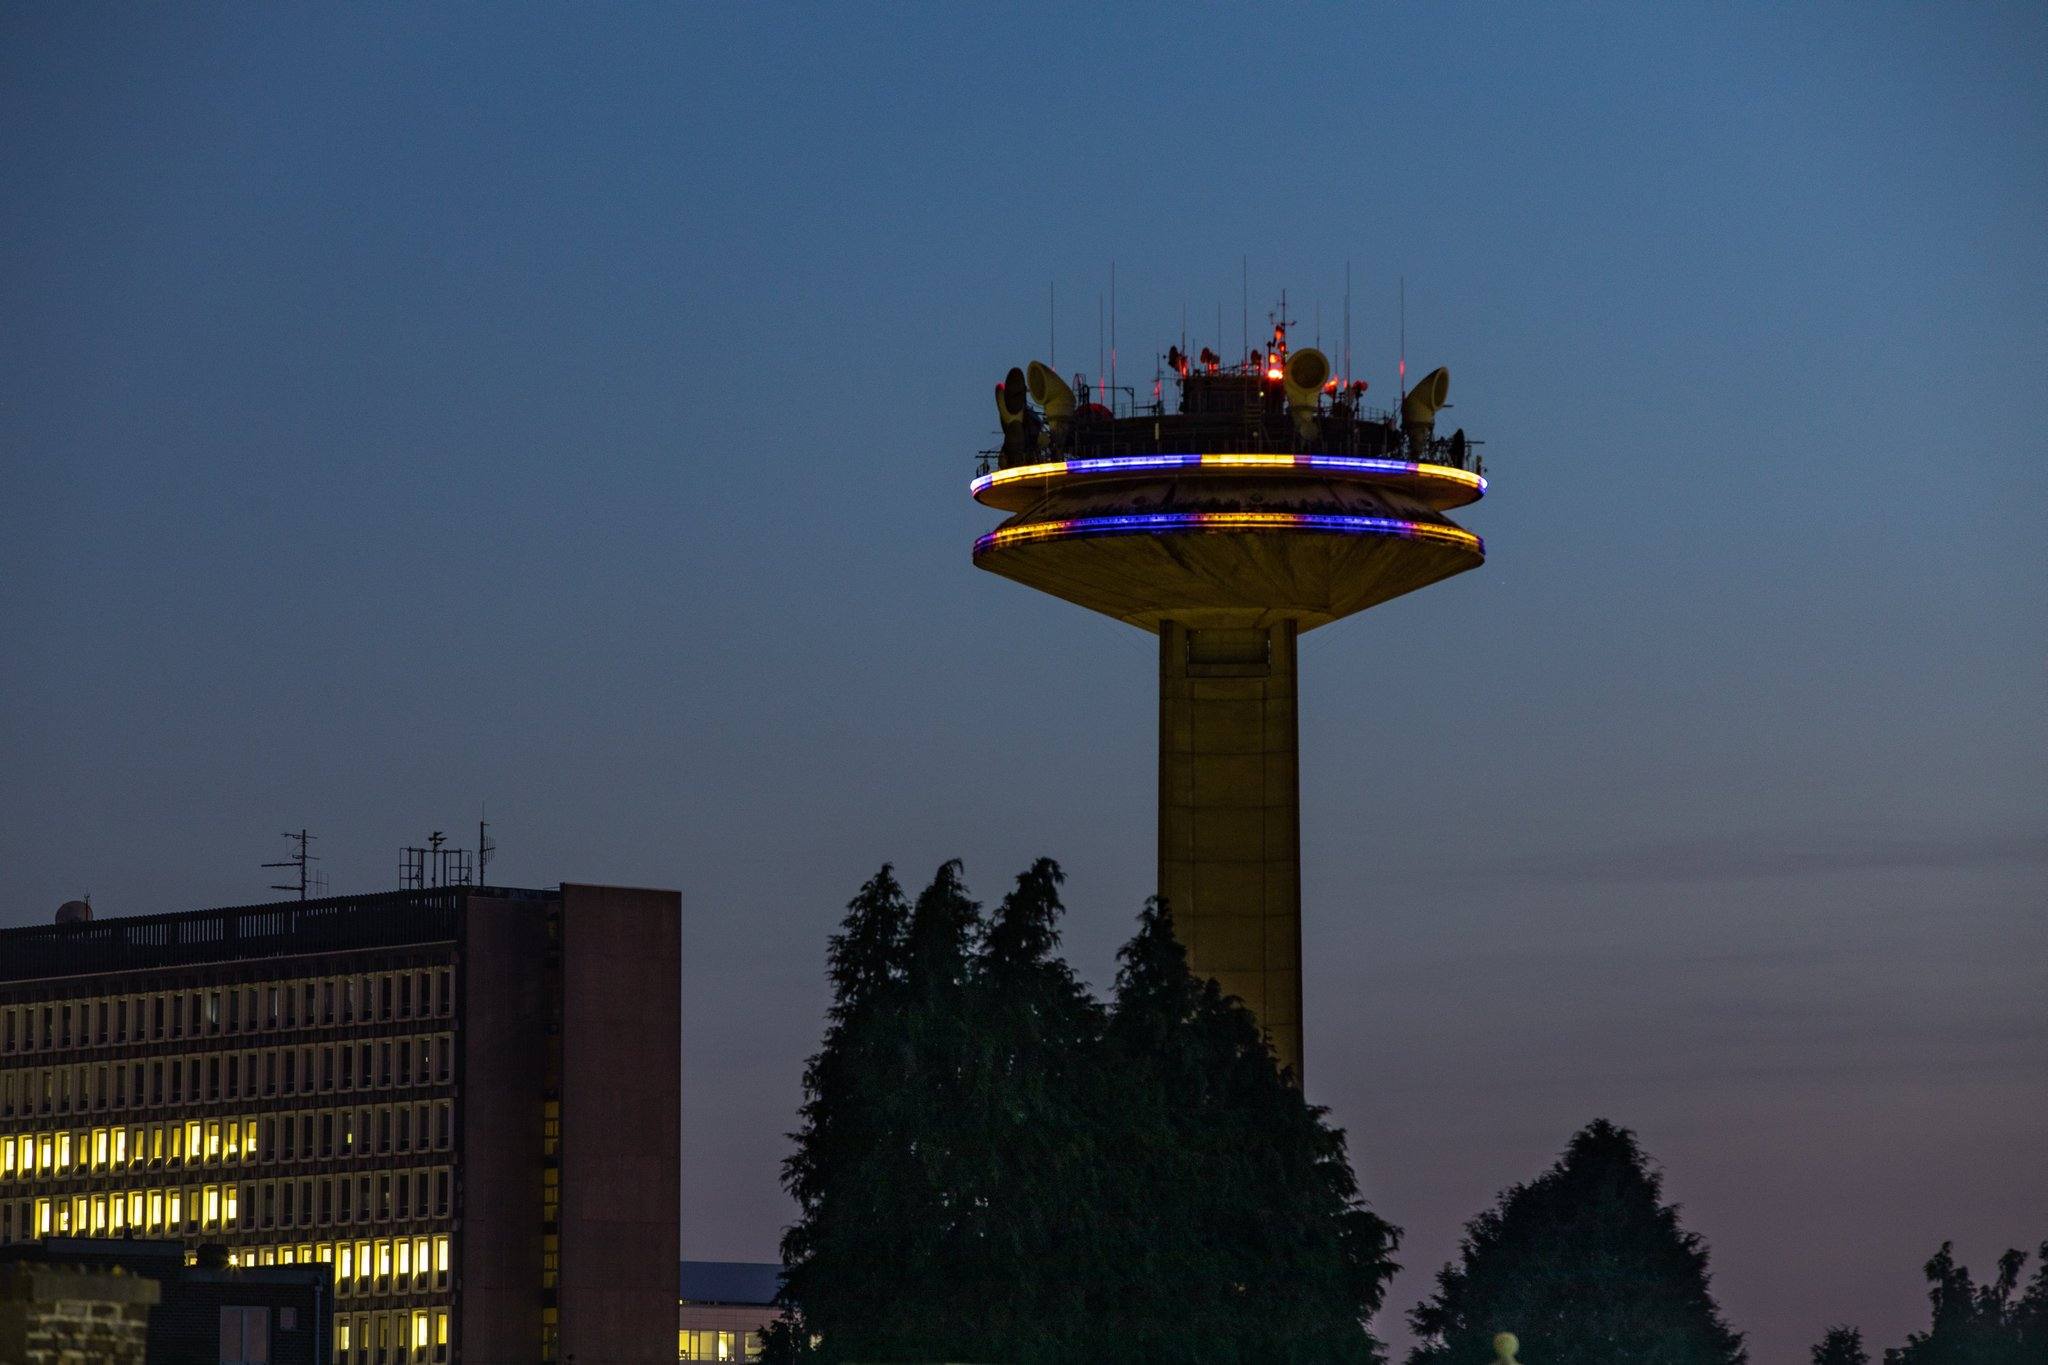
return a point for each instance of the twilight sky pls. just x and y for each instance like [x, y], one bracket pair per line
[403, 409]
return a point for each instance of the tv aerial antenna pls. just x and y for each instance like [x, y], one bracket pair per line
[299, 861]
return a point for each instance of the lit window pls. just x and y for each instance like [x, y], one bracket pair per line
[419, 1328]
[441, 1255]
[440, 1327]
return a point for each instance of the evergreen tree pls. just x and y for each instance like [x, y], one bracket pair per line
[845, 1173]
[1841, 1346]
[1236, 1212]
[1989, 1324]
[1585, 1266]
[993, 1167]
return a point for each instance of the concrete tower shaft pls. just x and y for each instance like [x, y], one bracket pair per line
[1230, 814]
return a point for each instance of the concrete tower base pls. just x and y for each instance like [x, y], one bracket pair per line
[1230, 815]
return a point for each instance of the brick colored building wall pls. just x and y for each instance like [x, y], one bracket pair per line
[621, 1124]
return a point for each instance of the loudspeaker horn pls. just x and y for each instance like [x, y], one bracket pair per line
[1308, 369]
[1419, 407]
[1050, 392]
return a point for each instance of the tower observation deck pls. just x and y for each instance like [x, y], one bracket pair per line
[1269, 501]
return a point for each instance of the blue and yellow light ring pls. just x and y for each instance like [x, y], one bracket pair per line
[1151, 523]
[1124, 464]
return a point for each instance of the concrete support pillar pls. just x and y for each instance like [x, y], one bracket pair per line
[1230, 815]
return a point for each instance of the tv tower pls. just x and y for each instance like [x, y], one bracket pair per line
[1269, 501]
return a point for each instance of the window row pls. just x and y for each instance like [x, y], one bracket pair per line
[359, 997]
[27, 1156]
[717, 1344]
[381, 1265]
[418, 1334]
[423, 1126]
[314, 1069]
[308, 1201]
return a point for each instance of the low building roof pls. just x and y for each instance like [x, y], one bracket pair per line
[742, 1282]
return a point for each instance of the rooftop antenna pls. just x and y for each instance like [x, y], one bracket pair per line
[1052, 360]
[1347, 322]
[1112, 336]
[1244, 305]
[1401, 375]
[297, 860]
[434, 842]
[484, 847]
[1101, 369]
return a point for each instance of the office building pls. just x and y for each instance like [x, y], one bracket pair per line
[464, 1100]
[723, 1307]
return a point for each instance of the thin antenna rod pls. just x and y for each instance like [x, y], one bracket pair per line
[1244, 305]
[297, 860]
[1101, 370]
[1401, 375]
[484, 847]
[1347, 322]
[1052, 354]
[1112, 336]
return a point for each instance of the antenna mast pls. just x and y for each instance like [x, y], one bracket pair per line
[1401, 375]
[1112, 336]
[1347, 322]
[298, 860]
[484, 848]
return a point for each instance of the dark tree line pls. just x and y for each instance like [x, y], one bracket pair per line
[995, 1166]
[1995, 1323]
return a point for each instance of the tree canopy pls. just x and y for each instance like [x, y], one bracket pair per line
[1841, 1346]
[993, 1165]
[1995, 1323]
[1585, 1265]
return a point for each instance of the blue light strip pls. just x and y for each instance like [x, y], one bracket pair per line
[1336, 464]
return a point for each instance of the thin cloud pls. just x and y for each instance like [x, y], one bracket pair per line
[1771, 855]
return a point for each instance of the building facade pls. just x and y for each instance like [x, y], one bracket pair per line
[723, 1307]
[463, 1100]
